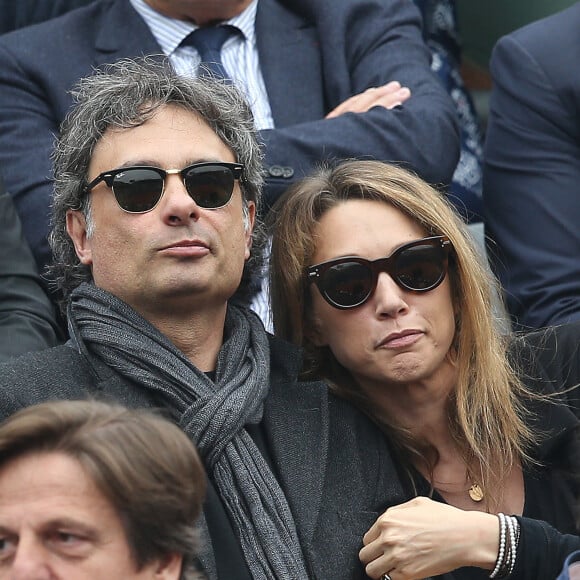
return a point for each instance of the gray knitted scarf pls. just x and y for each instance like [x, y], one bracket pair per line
[212, 414]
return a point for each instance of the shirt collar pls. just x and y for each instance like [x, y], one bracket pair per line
[169, 32]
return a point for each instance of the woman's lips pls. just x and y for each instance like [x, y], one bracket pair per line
[401, 339]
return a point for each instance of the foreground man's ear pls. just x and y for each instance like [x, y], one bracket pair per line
[168, 568]
[76, 226]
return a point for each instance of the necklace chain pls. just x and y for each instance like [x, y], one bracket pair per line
[474, 490]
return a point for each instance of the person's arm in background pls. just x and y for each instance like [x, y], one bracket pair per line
[441, 33]
[532, 170]
[27, 12]
[30, 114]
[376, 42]
[28, 123]
[27, 318]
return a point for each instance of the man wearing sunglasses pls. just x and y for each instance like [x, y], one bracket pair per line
[326, 79]
[158, 179]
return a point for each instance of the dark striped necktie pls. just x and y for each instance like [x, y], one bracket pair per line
[208, 42]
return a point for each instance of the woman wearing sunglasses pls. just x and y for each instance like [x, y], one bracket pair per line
[375, 276]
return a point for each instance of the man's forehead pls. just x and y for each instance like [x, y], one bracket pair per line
[170, 115]
[172, 137]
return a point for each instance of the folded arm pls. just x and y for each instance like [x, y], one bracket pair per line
[371, 45]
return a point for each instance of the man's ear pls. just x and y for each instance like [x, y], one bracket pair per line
[249, 220]
[168, 567]
[76, 226]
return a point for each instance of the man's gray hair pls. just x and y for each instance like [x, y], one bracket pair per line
[126, 94]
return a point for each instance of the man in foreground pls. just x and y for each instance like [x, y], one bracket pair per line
[94, 491]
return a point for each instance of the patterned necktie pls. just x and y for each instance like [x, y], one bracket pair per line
[208, 42]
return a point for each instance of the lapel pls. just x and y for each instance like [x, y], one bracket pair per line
[205, 556]
[290, 62]
[122, 33]
[296, 423]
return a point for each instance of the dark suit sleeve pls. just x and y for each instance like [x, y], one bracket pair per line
[365, 44]
[532, 172]
[542, 550]
[27, 12]
[441, 34]
[28, 124]
[27, 319]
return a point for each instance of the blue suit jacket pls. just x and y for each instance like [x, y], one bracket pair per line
[26, 12]
[312, 57]
[532, 169]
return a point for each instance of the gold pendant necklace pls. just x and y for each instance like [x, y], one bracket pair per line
[475, 492]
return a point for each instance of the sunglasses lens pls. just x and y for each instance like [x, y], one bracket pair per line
[347, 284]
[420, 267]
[210, 186]
[138, 189]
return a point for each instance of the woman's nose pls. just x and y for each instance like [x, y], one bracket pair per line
[389, 297]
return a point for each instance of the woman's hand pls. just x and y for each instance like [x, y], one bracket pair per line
[423, 538]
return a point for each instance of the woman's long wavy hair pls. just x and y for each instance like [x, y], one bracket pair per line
[486, 415]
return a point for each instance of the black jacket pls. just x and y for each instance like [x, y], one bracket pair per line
[27, 318]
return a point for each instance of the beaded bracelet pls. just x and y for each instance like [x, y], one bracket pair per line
[509, 537]
[512, 524]
[501, 552]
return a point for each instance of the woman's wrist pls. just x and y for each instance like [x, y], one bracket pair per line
[485, 533]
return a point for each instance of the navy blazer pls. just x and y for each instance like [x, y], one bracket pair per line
[27, 12]
[313, 56]
[532, 169]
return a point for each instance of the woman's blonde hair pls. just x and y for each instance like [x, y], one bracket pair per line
[485, 412]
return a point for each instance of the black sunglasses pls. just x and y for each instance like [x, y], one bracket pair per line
[349, 282]
[138, 189]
